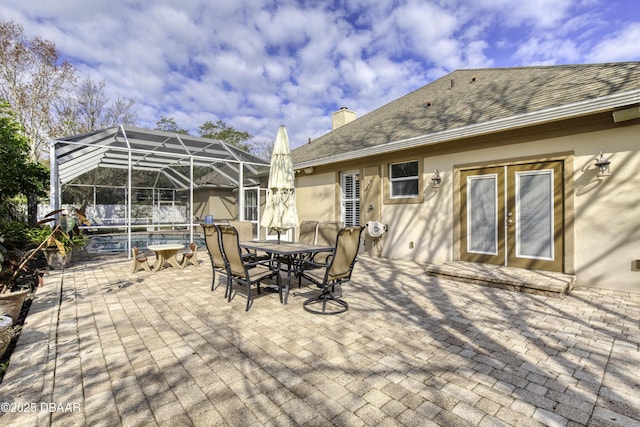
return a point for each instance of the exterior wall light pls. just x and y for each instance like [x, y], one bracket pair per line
[435, 180]
[602, 164]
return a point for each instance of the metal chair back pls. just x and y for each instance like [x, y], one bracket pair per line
[327, 232]
[231, 249]
[244, 229]
[308, 231]
[346, 252]
[212, 239]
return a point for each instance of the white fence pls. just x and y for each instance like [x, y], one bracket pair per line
[116, 215]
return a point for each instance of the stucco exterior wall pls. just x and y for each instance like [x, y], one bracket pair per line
[222, 204]
[604, 223]
[316, 196]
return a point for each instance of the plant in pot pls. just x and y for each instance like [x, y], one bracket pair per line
[62, 239]
[21, 270]
[6, 332]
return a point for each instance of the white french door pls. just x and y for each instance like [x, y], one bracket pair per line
[512, 215]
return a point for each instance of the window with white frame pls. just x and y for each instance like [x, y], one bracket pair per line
[350, 197]
[404, 179]
[251, 204]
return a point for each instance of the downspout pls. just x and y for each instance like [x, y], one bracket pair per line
[241, 192]
[129, 180]
[191, 200]
[54, 178]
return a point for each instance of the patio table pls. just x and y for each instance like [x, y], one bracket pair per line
[288, 250]
[166, 254]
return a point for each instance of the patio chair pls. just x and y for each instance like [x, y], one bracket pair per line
[245, 229]
[307, 235]
[308, 230]
[327, 233]
[245, 233]
[336, 271]
[139, 261]
[190, 256]
[242, 270]
[218, 262]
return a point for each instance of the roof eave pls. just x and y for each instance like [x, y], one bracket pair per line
[591, 106]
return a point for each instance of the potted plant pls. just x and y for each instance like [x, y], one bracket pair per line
[6, 332]
[60, 245]
[21, 270]
[19, 276]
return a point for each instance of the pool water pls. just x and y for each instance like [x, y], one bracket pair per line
[109, 243]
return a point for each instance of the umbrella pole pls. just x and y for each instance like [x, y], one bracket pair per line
[278, 236]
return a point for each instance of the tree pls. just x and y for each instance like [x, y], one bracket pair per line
[38, 85]
[168, 124]
[265, 150]
[19, 175]
[94, 112]
[223, 132]
[218, 130]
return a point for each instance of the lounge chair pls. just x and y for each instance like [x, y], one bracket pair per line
[243, 270]
[336, 271]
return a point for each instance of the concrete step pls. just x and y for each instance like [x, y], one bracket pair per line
[537, 282]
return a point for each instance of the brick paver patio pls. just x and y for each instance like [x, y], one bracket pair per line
[102, 346]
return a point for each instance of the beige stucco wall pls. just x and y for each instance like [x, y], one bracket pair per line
[605, 237]
[222, 204]
[316, 196]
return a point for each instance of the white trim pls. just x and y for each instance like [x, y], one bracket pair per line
[494, 177]
[393, 180]
[550, 236]
[354, 200]
[590, 106]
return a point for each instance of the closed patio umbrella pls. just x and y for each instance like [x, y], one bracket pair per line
[280, 211]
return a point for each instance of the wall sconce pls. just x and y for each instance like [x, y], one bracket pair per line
[308, 170]
[602, 164]
[435, 180]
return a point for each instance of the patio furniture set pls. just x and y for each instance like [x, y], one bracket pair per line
[166, 253]
[324, 254]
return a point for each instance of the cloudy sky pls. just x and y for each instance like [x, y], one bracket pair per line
[257, 64]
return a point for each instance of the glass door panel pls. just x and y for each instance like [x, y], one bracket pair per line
[482, 198]
[534, 226]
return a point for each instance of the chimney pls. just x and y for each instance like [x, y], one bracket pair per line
[342, 117]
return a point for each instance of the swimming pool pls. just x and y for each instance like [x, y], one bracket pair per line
[110, 243]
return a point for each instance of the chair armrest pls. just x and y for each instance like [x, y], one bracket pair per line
[311, 264]
[263, 262]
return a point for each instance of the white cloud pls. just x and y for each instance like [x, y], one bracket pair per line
[257, 65]
[622, 45]
[547, 51]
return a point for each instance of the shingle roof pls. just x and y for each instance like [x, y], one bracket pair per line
[470, 97]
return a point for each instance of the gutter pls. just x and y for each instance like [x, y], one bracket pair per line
[582, 108]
